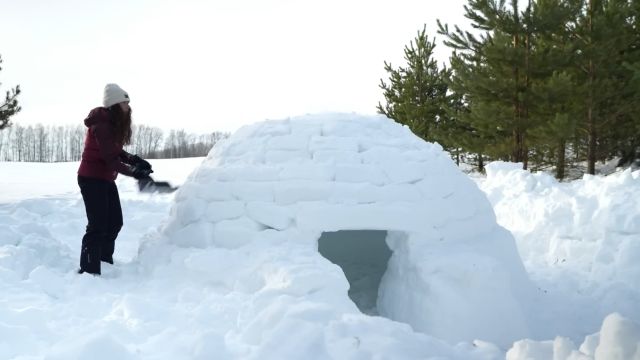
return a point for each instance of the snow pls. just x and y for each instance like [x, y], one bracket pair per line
[253, 257]
[578, 241]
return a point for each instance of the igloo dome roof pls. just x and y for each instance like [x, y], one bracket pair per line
[339, 161]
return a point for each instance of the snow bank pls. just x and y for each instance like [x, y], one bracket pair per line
[618, 339]
[249, 218]
[578, 240]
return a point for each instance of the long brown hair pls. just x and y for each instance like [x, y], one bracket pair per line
[122, 124]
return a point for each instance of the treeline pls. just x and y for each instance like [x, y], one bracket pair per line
[176, 144]
[65, 143]
[554, 84]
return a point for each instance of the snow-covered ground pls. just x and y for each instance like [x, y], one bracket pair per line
[175, 297]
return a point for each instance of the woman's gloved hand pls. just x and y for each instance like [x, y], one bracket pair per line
[140, 162]
[141, 171]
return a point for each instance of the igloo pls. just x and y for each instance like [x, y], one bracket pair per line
[355, 213]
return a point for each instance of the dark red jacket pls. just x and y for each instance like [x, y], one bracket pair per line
[103, 158]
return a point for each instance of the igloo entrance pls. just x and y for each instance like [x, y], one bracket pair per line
[363, 256]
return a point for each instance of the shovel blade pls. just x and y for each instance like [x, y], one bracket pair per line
[151, 186]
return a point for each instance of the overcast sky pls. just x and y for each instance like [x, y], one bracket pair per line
[208, 65]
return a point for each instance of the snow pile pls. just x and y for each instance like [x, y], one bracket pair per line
[618, 339]
[249, 219]
[578, 240]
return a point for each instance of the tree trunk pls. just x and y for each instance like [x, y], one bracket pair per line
[525, 157]
[560, 165]
[525, 106]
[480, 163]
[591, 126]
[517, 153]
[591, 147]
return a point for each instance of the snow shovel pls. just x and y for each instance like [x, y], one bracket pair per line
[148, 185]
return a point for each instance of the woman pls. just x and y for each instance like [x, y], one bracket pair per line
[109, 129]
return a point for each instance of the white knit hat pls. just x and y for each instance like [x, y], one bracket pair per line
[113, 94]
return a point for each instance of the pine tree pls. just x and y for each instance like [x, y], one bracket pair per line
[10, 106]
[557, 121]
[493, 74]
[553, 109]
[606, 36]
[458, 130]
[416, 94]
[452, 130]
[624, 134]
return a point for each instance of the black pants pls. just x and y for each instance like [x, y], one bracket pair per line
[104, 215]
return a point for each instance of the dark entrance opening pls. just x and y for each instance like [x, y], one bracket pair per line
[363, 256]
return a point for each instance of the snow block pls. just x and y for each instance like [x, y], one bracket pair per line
[253, 191]
[286, 156]
[269, 214]
[307, 172]
[224, 210]
[364, 193]
[288, 142]
[231, 234]
[319, 143]
[213, 191]
[294, 191]
[320, 216]
[249, 173]
[336, 157]
[368, 174]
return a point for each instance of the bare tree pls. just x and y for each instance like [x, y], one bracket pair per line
[2, 147]
[18, 143]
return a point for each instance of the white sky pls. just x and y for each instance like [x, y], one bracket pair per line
[208, 65]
